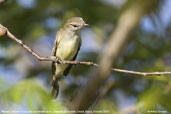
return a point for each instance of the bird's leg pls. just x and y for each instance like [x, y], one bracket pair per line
[59, 60]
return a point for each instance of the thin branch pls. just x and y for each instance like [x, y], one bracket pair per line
[5, 31]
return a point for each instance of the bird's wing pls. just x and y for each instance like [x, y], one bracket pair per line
[54, 50]
[70, 66]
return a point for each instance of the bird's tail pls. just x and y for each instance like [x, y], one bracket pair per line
[54, 90]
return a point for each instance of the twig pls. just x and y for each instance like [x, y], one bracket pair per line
[5, 31]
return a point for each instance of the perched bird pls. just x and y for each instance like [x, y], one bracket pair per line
[66, 47]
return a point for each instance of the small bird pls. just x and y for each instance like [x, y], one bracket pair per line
[66, 47]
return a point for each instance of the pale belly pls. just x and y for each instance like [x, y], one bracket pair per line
[66, 51]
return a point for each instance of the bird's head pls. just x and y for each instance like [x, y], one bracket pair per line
[75, 24]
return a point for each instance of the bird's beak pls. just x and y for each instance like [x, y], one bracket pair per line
[85, 25]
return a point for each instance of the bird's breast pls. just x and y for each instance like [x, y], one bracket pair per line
[67, 49]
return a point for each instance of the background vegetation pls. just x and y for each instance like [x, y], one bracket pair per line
[25, 82]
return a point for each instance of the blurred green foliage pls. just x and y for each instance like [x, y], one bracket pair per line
[25, 81]
[29, 92]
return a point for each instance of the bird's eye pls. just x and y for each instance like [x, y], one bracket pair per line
[74, 25]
